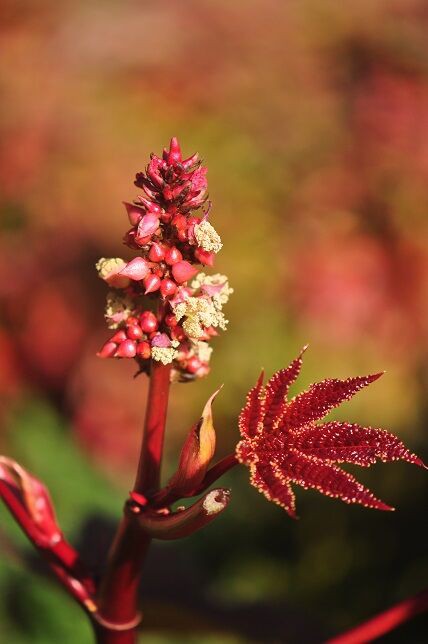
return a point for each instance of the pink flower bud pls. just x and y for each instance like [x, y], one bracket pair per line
[156, 253]
[152, 283]
[136, 269]
[171, 320]
[193, 365]
[131, 320]
[174, 154]
[134, 332]
[148, 226]
[126, 349]
[183, 271]
[177, 333]
[148, 322]
[180, 222]
[134, 213]
[161, 340]
[143, 350]
[154, 175]
[150, 206]
[167, 288]
[173, 255]
[204, 257]
[187, 163]
[118, 337]
[108, 350]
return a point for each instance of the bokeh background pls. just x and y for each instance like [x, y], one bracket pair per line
[312, 117]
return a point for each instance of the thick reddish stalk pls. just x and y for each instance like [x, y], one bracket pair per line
[384, 622]
[148, 472]
[119, 588]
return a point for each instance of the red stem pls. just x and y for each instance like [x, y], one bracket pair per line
[384, 622]
[119, 587]
[148, 472]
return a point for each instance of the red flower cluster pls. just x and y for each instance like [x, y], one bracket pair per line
[282, 443]
[171, 240]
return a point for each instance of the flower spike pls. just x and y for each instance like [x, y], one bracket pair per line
[172, 235]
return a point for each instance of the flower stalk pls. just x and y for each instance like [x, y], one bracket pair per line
[118, 595]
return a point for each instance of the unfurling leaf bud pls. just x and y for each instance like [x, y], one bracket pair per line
[35, 498]
[183, 523]
[137, 269]
[196, 453]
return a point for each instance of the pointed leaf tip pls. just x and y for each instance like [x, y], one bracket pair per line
[375, 376]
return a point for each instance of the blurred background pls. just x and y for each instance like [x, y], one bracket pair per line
[312, 117]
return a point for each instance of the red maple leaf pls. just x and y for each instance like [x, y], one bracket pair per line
[283, 444]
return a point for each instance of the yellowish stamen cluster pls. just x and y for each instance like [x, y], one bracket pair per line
[207, 237]
[203, 351]
[118, 308]
[165, 355]
[220, 298]
[199, 312]
[108, 265]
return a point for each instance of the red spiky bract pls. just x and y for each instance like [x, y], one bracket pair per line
[283, 444]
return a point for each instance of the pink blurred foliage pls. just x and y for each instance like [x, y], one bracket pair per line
[391, 114]
[354, 286]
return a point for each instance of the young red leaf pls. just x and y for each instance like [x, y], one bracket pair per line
[277, 389]
[282, 444]
[351, 443]
[252, 414]
[321, 398]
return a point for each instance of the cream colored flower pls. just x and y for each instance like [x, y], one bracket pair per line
[203, 351]
[199, 312]
[118, 309]
[108, 269]
[207, 237]
[165, 354]
[222, 296]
